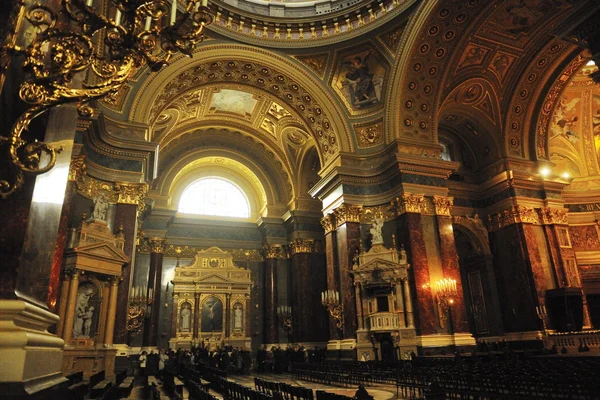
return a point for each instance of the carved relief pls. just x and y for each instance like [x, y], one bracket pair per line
[317, 63]
[552, 216]
[514, 215]
[443, 205]
[346, 213]
[409, 203]
[370, 136]
[328, 223]
[473, 55]
[302, 246]
[585, 238]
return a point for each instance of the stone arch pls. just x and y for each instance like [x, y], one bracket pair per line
[280, 76]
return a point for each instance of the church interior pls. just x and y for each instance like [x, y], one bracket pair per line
[384, 180]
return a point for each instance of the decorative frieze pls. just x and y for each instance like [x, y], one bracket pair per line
[346, 213]
[328, 223]
[553, 216]
[175, 251]
[273, 251]
[298, 246]
[514, 215]
[443, 205]
[157, 245]
[409, 203]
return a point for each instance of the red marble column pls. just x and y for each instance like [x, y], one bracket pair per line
[271, 328]
[410, 234]
[157, 247]
[451, 270]
[348, 244]
[331, 261]
[125, 217]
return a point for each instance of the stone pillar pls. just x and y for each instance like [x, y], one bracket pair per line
[196, 314]
[410, 233]
[112, 311]
[157, 248]
[328, 223]
[227, 315]
[62, 303]
[271, 327]
[71, 303]
[400, 305]
[130, 200]
[104, 310]
[449, 260]
[347, 219]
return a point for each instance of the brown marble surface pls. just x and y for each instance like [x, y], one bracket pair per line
[126, 216]
[348, 243]
[410, 233]
[555, 258]
[451, 270]
[332, 276]
[584, 238]
[270, 302]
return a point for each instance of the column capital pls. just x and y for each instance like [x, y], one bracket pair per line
[73, 273]
[131, 193]
[442, 205]
[554, 216]
[513, 215]
[271, 251]
[114, 280]
[298, 246]
[347, 213]
[157, 245]
[409, 203]
[328, 223]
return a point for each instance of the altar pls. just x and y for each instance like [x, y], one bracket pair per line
[211, 297]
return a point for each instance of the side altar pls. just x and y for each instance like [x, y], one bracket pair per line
[212, 298]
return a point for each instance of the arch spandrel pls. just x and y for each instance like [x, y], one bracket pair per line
[283, 77]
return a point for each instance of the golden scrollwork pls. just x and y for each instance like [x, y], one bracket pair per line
[77, 168]
[514, 215]
[327, 222]
[409, 203]
[346, 213]
[443, 205]
[370, 136]
[273, 251]
[131, 193]
[157, 245]
[370, 214]
[554, 216]
[298, 246]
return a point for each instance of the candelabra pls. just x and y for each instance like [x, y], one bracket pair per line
[542, 314]
[139, 302]
[285, 317]
[331, 300]
[445, 291]
[89, 57]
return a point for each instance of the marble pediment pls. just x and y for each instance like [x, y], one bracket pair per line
[101, 257]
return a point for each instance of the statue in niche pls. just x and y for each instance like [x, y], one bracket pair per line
[100, 207]
[238, 313]
[186, 314]
[84, 312]
[375, 231]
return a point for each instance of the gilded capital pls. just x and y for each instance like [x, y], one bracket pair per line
[131, 193]
[298, 246]
[328, 223]
[443, 205]
[273, 251]
[514, 215]
[77, 168]
[554, 216]
[346, 213]
[157, 245]
[409, 203]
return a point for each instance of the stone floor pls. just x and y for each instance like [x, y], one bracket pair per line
[378, 391]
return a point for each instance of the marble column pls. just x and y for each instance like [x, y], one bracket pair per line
[409, 232]
[328, 223]
[71, 303]
[227, 315]
[271, 327]
[157, 248]
[196, 314]
[62, 304]
[112, 311]
[347, 219]
[400, 304]
[449, 259]
[130, 196]
[410, 315]
[104, 310]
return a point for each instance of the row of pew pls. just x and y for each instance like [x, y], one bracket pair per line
[286, 391]
[99, 387]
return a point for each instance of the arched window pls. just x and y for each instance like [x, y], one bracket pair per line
[214, 196]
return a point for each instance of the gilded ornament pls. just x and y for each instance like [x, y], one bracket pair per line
[347, 213]
[370, 136]
[273, 251]
[131, 193]
[409, 203]
[552, 216]
[157, 245]
[298, 246]
[442, 205]
[328, 223]
[77, 168]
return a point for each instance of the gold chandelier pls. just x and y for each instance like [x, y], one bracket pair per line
[79, 55]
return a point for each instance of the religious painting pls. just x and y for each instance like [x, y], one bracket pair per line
[238, 317]
[359, 80]
[596, 123]
[185, 317]
[87, 310]
[516, 17]
[233, 101]
[212, 315]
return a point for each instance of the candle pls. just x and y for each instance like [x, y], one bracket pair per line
[173, 11]
[118, 17]
[148, 22]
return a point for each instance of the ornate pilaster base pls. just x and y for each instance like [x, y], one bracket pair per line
[32, 358]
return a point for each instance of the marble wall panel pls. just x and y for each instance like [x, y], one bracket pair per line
[348, 243]
[585, 238]
[271, 328]
[332, 273]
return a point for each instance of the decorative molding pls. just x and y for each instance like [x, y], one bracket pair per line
[554, 216]
[271, 251]
[131, 193]
[77, 168]
[299, 246]
[442, 205]
[176, 251]
[514, 215]
[370, 214]
[346, 213]
[370, 136]
[409, 203]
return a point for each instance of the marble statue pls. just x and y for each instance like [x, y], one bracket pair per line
[375, 231]
[81, 308]
[100, 207]
[237, 317]
[185, 319]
